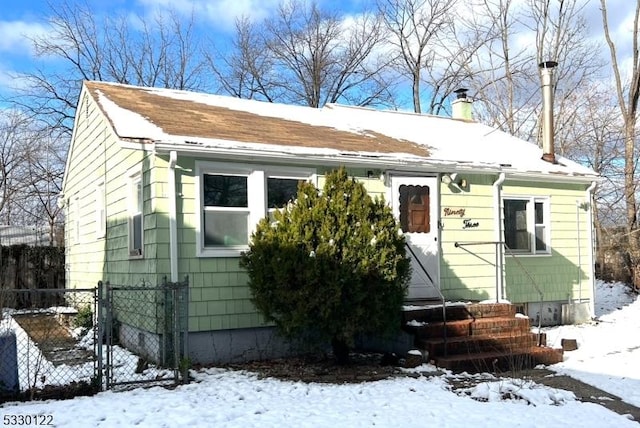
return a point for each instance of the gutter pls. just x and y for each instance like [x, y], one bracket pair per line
[410, 163]
[497, 231]
[588, 195]
[173, 226]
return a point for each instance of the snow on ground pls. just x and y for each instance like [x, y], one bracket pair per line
[224, 398]
[34, 370]
[608, 353]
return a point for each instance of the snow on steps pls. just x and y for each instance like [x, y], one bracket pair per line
[480, 337]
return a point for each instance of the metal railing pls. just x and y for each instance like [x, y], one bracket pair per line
[499, 246]
[442, 299]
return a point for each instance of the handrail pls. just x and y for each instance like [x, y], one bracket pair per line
[499, 268]
[444, 306]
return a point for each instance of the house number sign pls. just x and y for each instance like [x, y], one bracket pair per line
[450, 212]
[468, 223]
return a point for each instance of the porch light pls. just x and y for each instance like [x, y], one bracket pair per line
[454, 180]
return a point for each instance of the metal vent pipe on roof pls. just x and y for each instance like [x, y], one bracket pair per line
[546, 72]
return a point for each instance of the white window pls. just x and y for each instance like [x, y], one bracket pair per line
[281, 189]
[526, 225]
[76, 219]
[232, 199]
[101, 221]
[136, 226]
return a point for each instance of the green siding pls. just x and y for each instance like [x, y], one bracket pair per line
[563, 275]
[219, 295]
[468, 275]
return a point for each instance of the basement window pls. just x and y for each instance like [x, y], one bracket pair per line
[526, 225]
[233, 198]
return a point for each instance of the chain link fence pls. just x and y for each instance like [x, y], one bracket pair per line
[146, 333]
[64, 343]
[47, 343]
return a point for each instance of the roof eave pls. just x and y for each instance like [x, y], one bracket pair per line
[382, 160]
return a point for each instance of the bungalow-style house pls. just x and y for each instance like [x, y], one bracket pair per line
[163, 182]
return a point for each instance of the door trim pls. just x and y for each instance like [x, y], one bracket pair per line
[434, 179]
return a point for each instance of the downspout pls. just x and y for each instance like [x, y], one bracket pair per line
[173, 225]
[497, 232]
[579, 241]
[589, 199]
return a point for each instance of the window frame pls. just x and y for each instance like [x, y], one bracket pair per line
[257, 198]
[135, 207]
[101, 211]
[531, 223]
[76, 219]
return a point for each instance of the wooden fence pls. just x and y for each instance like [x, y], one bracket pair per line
[25, 267]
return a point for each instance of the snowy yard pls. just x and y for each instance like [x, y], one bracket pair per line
[35, 370]
[607, 358]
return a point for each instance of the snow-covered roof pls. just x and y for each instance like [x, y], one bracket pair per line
[198, 122]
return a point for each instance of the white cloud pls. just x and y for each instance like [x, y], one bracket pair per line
[14, 35]
[221, 13]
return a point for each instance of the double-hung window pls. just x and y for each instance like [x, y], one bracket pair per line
[136, 226]
[526, 224]
[232, 199]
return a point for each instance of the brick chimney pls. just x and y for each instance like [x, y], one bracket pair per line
[461, 106]
[546, 74]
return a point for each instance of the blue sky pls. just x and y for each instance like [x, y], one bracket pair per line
[21, 18]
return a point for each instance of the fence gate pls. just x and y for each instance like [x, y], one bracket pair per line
[145, 333]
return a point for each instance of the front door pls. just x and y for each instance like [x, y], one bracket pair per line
[415, 204]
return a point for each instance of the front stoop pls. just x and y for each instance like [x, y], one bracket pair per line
[480, 337]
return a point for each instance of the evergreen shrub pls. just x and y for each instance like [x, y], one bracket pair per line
[331, 266]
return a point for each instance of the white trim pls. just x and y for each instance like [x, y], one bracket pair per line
[392, 162]
[101, 210]
[135, 207]
[256, 198]
[531, 224]
[498, 232]
[173, 214]
[422, 241]
[588, 196]
[76, 219]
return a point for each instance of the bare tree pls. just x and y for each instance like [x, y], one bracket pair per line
[597, 141]
[504, 88]
[306, 55]
[526, 34]
[30, 172]
[163, 53]
[628, 94]
[16, 138]
[45, 172]
[560, 29]
[419, 28]
[245, 70]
